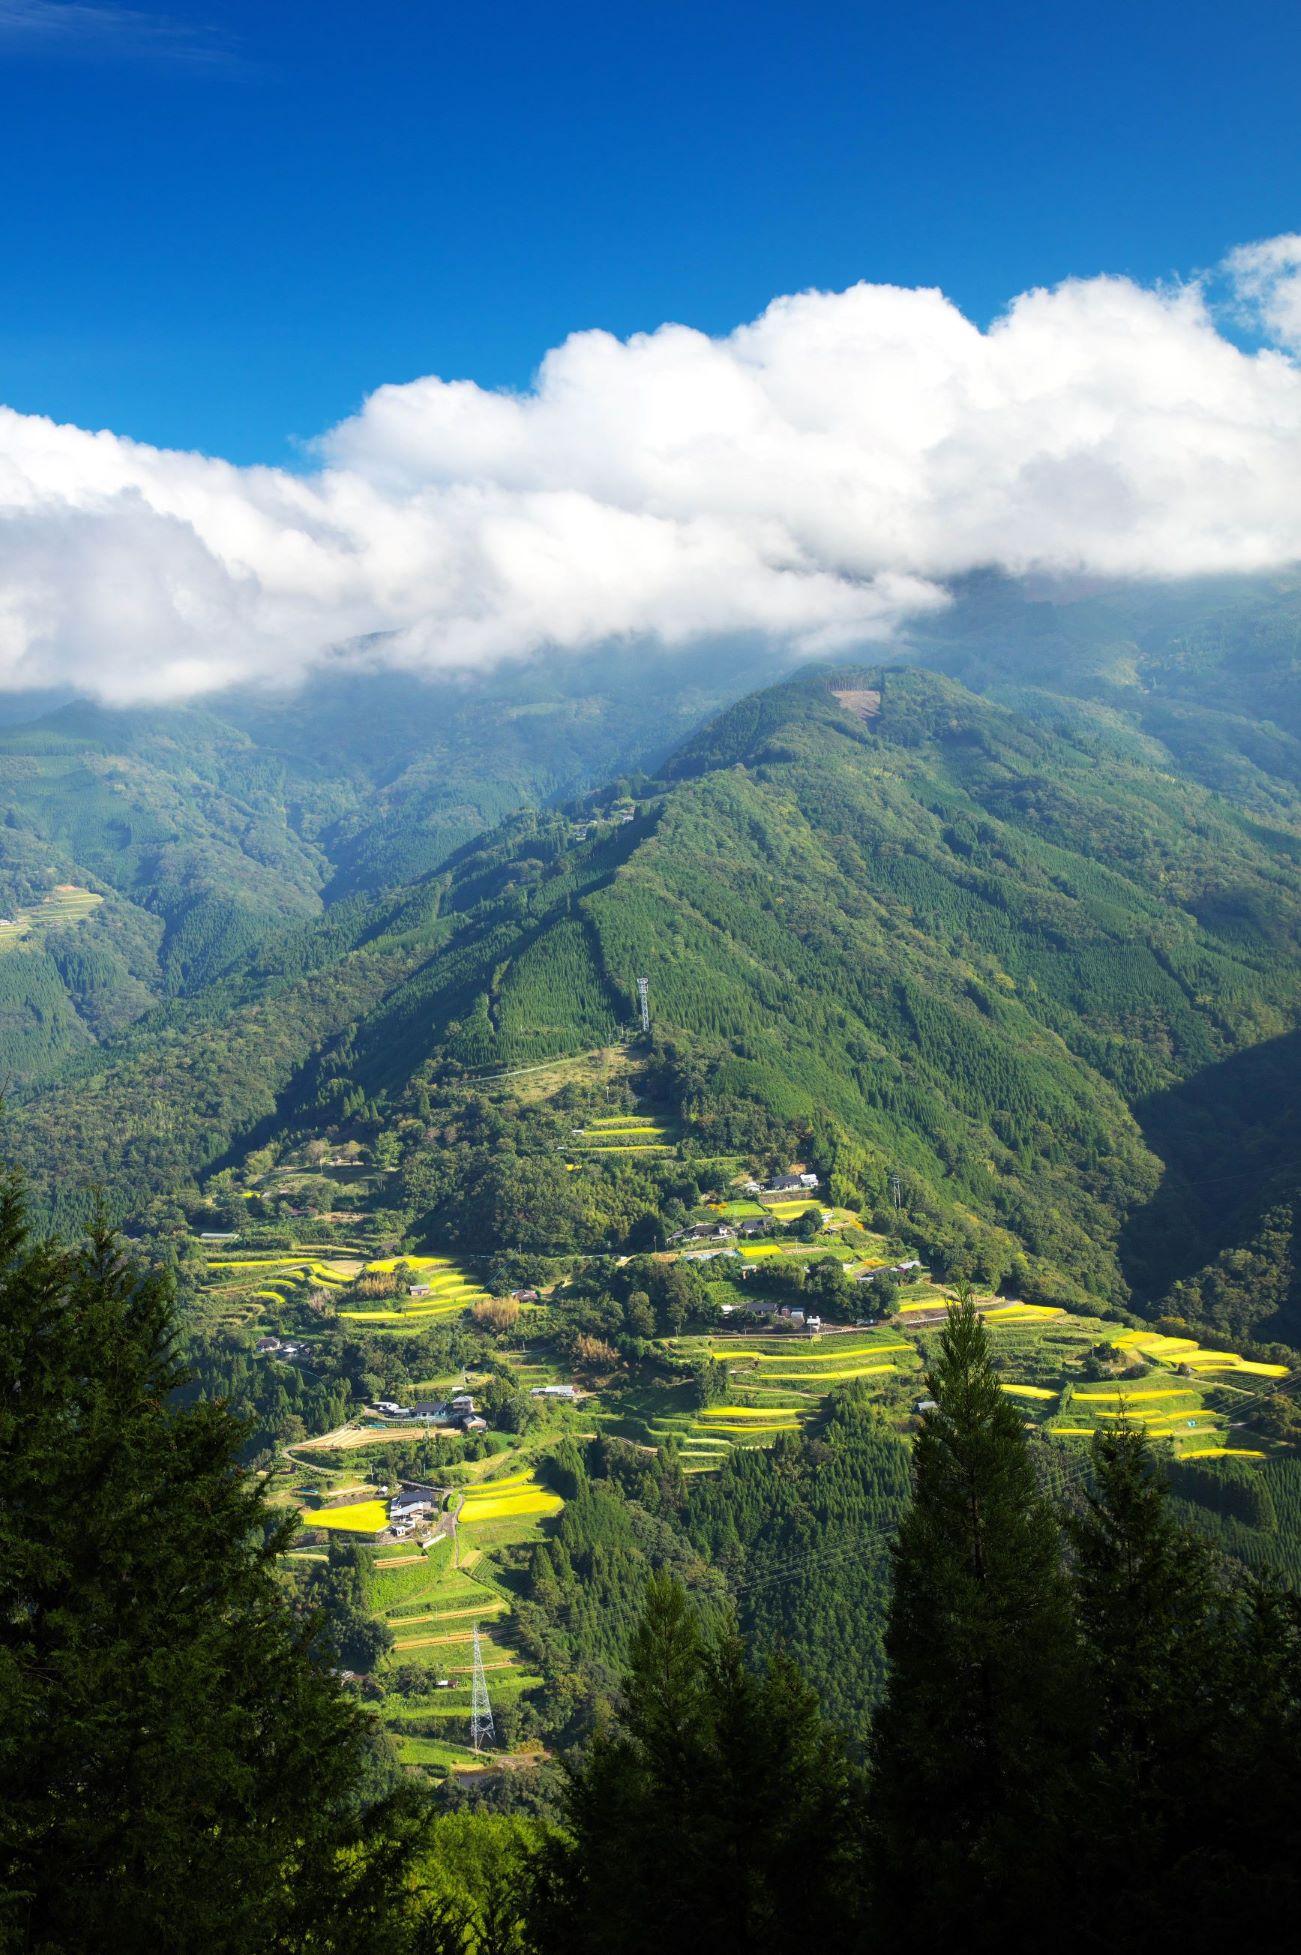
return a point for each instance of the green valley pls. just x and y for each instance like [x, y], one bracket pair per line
[942, 999]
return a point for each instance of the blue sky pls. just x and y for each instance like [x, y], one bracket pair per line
[226, 223]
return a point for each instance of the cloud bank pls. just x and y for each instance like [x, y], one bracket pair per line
[815, 477]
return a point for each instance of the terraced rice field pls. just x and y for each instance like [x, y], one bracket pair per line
[521, 1497]
[452, 1290]
[366, 1517]
[784, 1383]
[625, 1133]
[281, 1273]
[837, 1375]
[64, 904]
[995, 1316]
[1187, 1351]
[719, 1412]
[1174, 1412]
[238, 1283]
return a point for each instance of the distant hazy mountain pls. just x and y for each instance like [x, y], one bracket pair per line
[1211, 669]
[206, 829]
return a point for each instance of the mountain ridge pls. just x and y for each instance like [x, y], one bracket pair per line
[941, 944]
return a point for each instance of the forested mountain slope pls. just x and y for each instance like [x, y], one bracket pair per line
[205, 830]
[928, 937]
[1208, 671]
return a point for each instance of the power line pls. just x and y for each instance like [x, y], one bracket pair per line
[789, 1567]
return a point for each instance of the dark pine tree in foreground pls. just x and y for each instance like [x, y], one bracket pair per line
[1189, 1815]
[719, 1813]
[981, 1721]
[175, 1773]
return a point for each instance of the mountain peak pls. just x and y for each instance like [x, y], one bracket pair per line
[857, 703]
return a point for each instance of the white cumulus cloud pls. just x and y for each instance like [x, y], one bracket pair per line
[1267, 279]
[814, 477]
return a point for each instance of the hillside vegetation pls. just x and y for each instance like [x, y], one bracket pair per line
[208, 830]
[962, 959]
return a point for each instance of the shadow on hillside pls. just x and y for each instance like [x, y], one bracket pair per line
[1230, 1139]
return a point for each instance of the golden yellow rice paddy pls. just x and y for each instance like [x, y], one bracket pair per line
[367, 1517]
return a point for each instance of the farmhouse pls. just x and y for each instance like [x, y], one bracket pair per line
[553, 1391]
[432, 1409]
[411, 1503]
[265, 1345]
[704, 1232]
[789, 1184]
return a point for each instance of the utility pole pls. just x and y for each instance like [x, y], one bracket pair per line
[643, 999]
[482, 1729]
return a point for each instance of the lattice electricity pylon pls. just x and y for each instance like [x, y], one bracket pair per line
[482, 1729]
[643, 999]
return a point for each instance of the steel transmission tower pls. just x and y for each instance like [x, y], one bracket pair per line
[482, 1729]
[643, 999]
